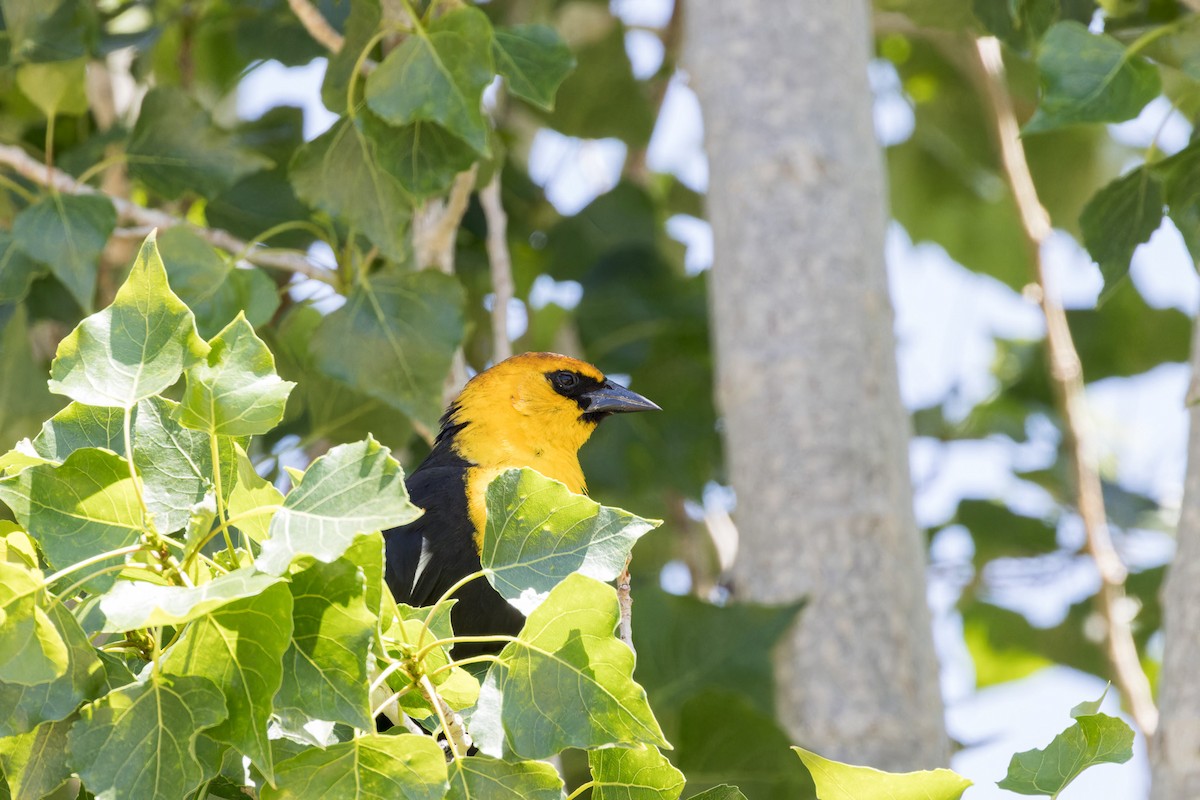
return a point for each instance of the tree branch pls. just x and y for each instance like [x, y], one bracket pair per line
[625, 603]
[500, 262]
[16, 159]
[316, 25]
[1066, 374]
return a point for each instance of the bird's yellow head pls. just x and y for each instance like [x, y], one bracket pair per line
[534, 410]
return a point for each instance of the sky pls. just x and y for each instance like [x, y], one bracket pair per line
[947, 319]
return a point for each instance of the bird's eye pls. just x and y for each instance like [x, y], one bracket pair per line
[565, 381]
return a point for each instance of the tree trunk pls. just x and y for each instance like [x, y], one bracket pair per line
[816, 436]
[1176, 751]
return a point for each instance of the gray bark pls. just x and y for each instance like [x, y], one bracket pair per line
[816, 436]
[1176, 751]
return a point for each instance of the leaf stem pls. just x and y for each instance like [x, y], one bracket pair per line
[451, 640]
[351, 111]
[221, 511]
[227, 524]
[393, 697]
[100, 166]
[456, 737]
[445, 596]
[472, 660]
[13, 186]
[70, 590]
[392, 667]
[87, 562]
[580, 790]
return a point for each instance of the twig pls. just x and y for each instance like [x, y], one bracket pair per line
[149, 218]
[1066, 374]
[435, 225]
[452, 723]
[625, 604]
[316, 25]
[501, 266]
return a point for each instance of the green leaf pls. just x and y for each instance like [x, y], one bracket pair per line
[633, 774]
[47, 30]
[538, 533]
[371, 767]
[361, 26]
[83, 507]
[722, 792]
[1118, 218]
[1093, 739]
[211, 286]
[406, 327]
[602, 98]
[78, 426]
[135, 348]
[138, 604]
[17, 270]
[568, 682]
[28, 706]
[1089, 77]
[325, 666]
[422, 156]
[236, 391]
[486, 778]
[176, 150]
[175, 463]
[837, 781]
[438, 75]
[1180, 177]
[240, 648]
[339, 173]
[140, 741]
[352, 489]
[56, 87]
[67, 233]
[250, 492]
[534, 60]
[31, 649]
[24, 399]
[34, 762]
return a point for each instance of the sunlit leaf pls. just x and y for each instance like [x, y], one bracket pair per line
[135, 348]
[486, 778]
[252, 492]
[34, 763]
[55, 87]
[352, 489]
[538, 533]
[633, 774]
[31, 649]
[837, 781]
[370, 767]
[123, 747]
[138, 604]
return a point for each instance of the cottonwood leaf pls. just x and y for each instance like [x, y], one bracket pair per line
[35, 763]
[423, 156]
[567, 681]
[325, 666]
[47, 30]
[211, 286]
[249, 493]
[438, 75]
[837, 781]
[722, 792]
[339, 173]
[24, 399]
[56, 87]
[633, 774]
[28, 706]
[78, 426]
[1093, 739]
[487, 778]
[354, 488]
[1118, 218]
[17, 270]
[538, 532]
[66, 233]
[1089, 77]
[361, 25]
[135, 348]
[240, 647]
[370, 767]
[534, 60]
[140, 741]
[31, 649]
[176, 463]
[175, 149]
[406, 327]
[78, 509]
[235, 392]
[139, 604]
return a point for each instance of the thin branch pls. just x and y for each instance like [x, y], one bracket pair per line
[1066, 374]
[149, 218]
[316, 25]
[625, 603]
[435, 225]
[452, 723]
[501, 266]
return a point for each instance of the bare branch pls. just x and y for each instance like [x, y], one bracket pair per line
[316, 25]
[1066, 374]
[501, 266]
[435, 225]
[625, 603]
[148, 218]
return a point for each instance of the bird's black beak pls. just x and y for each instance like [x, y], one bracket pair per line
[612, 398]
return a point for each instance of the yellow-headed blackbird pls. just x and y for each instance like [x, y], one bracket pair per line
[532, 410]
